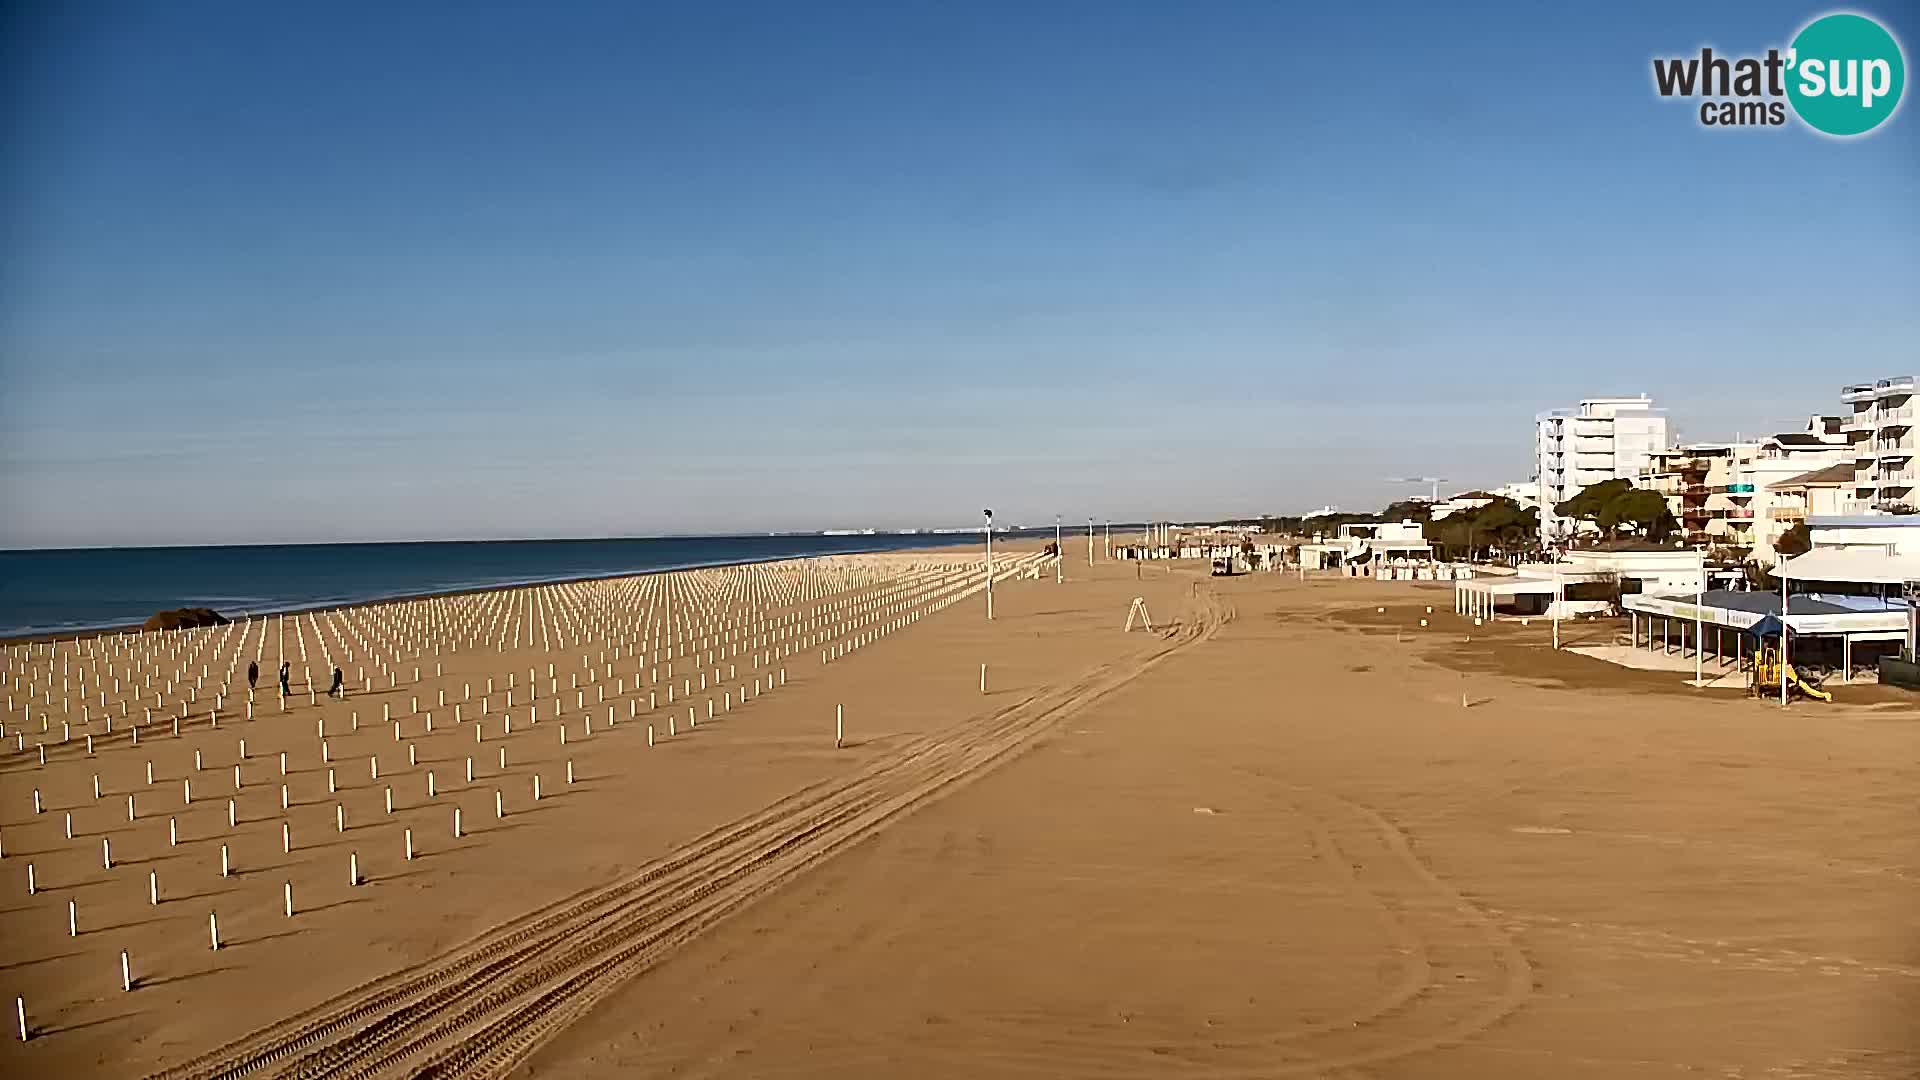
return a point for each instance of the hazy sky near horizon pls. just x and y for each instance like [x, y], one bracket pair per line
[358, 271]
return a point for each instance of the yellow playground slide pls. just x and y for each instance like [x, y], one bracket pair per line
[1766, 677]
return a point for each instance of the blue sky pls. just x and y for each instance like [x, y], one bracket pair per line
[361, 271]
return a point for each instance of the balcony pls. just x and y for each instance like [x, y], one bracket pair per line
[1858, 422]
[1739, 513]
[1787, 513]
[1737, 489]
[1857, 392]
[1694, 513]
[1893, 453]
[1898, 386]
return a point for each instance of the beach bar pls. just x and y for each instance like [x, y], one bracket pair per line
[1862, 626]
[1844, 603]
[1511, 594]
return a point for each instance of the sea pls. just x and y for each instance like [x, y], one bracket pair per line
[67, 591]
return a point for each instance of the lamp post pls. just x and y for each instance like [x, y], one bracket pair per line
[1556, 606]
[1109, 540]
[1089, 541]
[1783, 633]
[1059, 553]
[989, 514]
[1699, 598]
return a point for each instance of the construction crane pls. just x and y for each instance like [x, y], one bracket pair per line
[1436, 481]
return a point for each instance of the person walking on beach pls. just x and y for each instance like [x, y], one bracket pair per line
[253, 674]
[339, 687]
[285, 670]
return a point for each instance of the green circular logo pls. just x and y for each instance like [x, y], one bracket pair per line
[1845, 74]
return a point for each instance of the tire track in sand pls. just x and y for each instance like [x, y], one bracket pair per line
[479, 1009]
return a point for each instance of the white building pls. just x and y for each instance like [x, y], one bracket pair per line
[1585, 582]
[1845, 602]
[1880, 430]
[1360, 544]
[1884, 535]
[1758, 511]
[1602, 439]
[1825, 492]
[1461, 503]
[1725, 495]
[1524, 492]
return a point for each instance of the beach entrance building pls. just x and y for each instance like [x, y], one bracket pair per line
[1383, 549]
[1847, 601]
[1587, 582]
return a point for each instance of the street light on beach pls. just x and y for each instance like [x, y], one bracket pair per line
[1699, 599]
[989, 514]
[1059, 553]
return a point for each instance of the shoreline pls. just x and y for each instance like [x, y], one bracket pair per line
[83, 633]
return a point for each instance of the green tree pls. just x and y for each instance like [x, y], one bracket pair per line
[1587, 504]
[1407, 510]
[1642, 510]
[1499, 524]
[1613, 504]
[1795, 541]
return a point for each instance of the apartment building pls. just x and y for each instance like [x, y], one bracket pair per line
[1727, 496]
[1766, 509]
[1603, 438]
[1688, 477]
[1879, 426]
[1823, 492]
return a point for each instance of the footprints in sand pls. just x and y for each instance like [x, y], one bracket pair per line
[1653, 943]
[1447, 972]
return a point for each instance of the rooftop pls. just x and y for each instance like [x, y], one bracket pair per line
[1768, 603]
[1615, 547]
[1865, 521]
[1839, 475]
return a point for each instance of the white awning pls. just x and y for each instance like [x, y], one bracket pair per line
[1851, 564]
[1508, 585]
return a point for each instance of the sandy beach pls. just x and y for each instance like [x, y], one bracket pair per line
[1293, 852]
[1288, 832]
